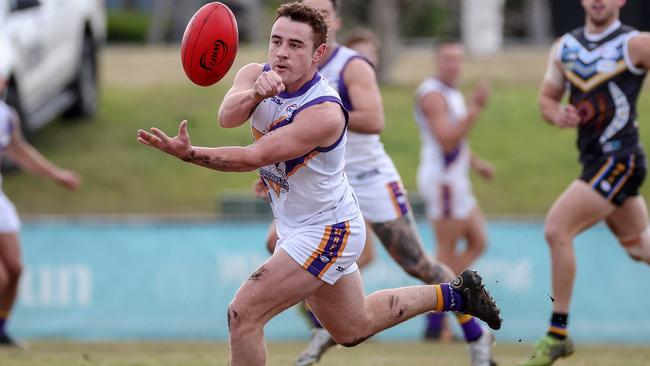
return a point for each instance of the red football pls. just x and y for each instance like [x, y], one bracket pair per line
[209, 44]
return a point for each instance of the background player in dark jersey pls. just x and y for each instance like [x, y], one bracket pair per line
[603, 64]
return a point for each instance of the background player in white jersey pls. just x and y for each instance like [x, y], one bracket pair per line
[299, 126]
[603, 64]
[445, 160]
[13, 145]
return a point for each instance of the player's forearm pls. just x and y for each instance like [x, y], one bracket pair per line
[366, 122]
[30, 160]
[453, 136]
[550, 109]
[225, 159]
[237, 108]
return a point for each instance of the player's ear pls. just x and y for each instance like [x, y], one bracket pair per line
[319, 53]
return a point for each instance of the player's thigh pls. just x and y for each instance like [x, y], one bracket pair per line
[448, 231]
[578, 208]
[278, 284]
[341, 308]
[631, 218]
[10, 251]
[401, 239]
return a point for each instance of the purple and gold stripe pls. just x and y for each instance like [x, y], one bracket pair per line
[330, 248]
[398, 197]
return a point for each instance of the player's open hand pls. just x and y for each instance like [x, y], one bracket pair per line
[178, 146]
[68, 179]
[268, 84]
[567, 117]
[484, 169]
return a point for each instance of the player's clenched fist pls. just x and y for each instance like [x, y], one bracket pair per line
[267, 85]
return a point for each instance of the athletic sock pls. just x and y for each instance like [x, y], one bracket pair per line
[4, 315]
[434, 324]
[471, 327]
[448, 298]
[558, 328]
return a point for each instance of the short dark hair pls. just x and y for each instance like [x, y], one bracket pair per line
[302, 13]
[447, 41]
[357, 35]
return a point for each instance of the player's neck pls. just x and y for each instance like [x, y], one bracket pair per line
[450, 83]
[298, 84]
[598, 31]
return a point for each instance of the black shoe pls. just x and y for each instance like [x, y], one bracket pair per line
[477, 301]
[8, 341]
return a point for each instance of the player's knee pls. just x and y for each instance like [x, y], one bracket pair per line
[637, 246]
[555, 236]
[350, 341]
[240, 323]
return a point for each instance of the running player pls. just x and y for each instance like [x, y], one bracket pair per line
[603, 65]
[299, 126]
[376, 182]
[13, 145]
[445, 160]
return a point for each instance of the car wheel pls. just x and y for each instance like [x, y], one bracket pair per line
[85, 84]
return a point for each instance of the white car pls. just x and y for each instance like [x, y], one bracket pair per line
[49, 54]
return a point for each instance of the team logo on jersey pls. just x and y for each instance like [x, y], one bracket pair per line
[275, 178]
[606, 66]
[290, 109]
[609, 52]
[324, 259]
[605, 186]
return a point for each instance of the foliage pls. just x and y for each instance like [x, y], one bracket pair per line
[127, 26]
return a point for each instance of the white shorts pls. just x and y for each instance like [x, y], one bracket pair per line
[448, 199]
[327, 252]
[9, 221]
[381, 195]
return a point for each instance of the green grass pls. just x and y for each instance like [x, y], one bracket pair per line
[534, 161]
[367, 354]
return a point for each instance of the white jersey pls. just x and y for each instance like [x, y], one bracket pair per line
[364, 153]
[311, 189]
[6, 129]
[432, 155]
[443, 178]
[9, 221]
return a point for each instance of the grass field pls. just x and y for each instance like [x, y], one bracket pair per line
[145, 87]
[282, 354]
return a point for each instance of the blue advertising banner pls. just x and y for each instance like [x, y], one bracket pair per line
[123, 281]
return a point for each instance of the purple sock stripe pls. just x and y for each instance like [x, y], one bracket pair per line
[472, 330]
[314, 321]
[434, 320]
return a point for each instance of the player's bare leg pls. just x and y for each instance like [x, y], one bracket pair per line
[578, 208]
[320, 340]
[403, 243]
[629, 223]
[352, 318]
[10, 270]
[254, 305]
